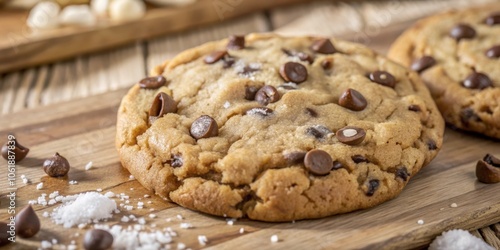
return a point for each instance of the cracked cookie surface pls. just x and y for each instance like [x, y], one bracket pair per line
[278, 129]
[458, 56]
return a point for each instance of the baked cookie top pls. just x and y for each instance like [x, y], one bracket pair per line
[276, 128]
[458, 56]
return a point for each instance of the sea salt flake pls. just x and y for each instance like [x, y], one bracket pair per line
[227, 104]
[46, 214]
[420, 222]
[125, 219]
[274, 238]
[73, 182]
[453, 205]
[99, 190]
[458, 239]
[72, 247]
[202, 239]
[141, 221]
[186, 225]
[242, 230]
[180, 217]
[152, 216]
[109, 194]
[45, 244]
[39, 186]
[131, 177]
[181, 246]
[147, 196]
[88, 166]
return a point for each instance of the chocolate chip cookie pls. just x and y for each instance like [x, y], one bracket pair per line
[278, 129]
[457, 54]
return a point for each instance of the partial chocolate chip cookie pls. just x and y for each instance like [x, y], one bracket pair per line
[278, 129]
[457, 55]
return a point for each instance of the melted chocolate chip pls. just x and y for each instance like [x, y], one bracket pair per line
[260, 111]
[372, 186]
[492, 160]
[488, 169]
[267, 94]
[215, 56]
[493, 19]
[19, 152]
[176, 160]
[337, 165]
[162, 105]
[293, 72]
[467, 115]
[318, 131]
[97, 239]
[477, 81]
[250, 92]
[359, 159]
[294, 157]
[351, 135]
[301, 55]
[318, 162]
[353, 100]
[327, 63]
[462, 31]
[228, 61]
[311, 112]
[236, 42]
[493, 52]
[422, 64]
[383, 78]
[27, 222]
[56, 166]
[152, 82]
[402, 173]
[247, 70]
[204, 127]
[323, 46]
[431, 145]
[414, 108]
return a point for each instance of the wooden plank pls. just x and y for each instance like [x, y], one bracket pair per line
[21, 47]
[490, 237]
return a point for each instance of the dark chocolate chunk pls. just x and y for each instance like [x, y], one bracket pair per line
[402, 173]
[236, 42]
[16, 151]
[383, 78]
[27, 222]
[267, 94]
[293, 72]
[431, 145]
[215, 56]
[318, 131]
[422, 64]
[248, 70]
[250, 92]
[176, 160]
[337, 165]
[414, 108]
[477, 81]
[260, 111]
[493, 52]
[462, 31]
[204, 127]
[372, 186]
[488, 169]
[493, 19]
[162, 105]
[327, 63]
[152, 82]
[323, 46]
[351, 135]
[295, 157]
[318, 162]
[311, 112]
[97, 239]
[56, 166]
[359, 159]
[467, 115]
[353, 100]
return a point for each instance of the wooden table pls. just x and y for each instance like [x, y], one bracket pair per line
[34, 105]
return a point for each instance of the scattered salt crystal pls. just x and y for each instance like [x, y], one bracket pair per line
[54, 241]
[181, 246]
[142, 221]
[72, 247]
[53, 194]
[23, 176]
[39, 186]
[151, 209]
[129, 208]
[25, 180]
[45, 244]
[131, 177]
[131, 189]
[458, 239]
[59, 198]
[227, 104]
[186, 225]
[109, 194]
[420, 222]
[32, 202]
[83, 208]
[52, 202]
[168, 219]
[140, 204]
[242, 230]
[274, 238]
[202, 239]
[127, 202]
[82, 225]
[230, 222]
[152, 216]
[99, 190]
[149, 202]
[125, 219]
[180, 217]
[147, 196]
[88, 166]
[453, 205]
[73, 182]
[45, 214]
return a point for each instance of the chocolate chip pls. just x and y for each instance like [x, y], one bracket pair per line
[16, 151]
[247, 70]
[204, 127]
[260, 111]
[288, 86]
[97, 239]
[353, 100]
[56, 166]
[327, 63]
[383, 78]
[250, 92]
[152, 82]
[323, 46]
[27, 222]
[402, 173]
[162, 105]
[227, 61]
[215, 56]
[372, 186]
[311, 112]
[293, 72]
[267, 94]
[337, 165]
[467, 115]
[477, 81]
[414, 108]
[422, 64]
[462, 31]
[294, 157]
[236, 42]
[493, 52]
[431, 145]
[301, 55]
[493, 19]
[488, 169]
[176, 161]
[318, 162]
[4, 235]
[359, 159]
[351, 135]
[318, 131]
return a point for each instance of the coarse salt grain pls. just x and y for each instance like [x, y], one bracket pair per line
[141, 221]
[180, 217]
[458, 239]
[453, 205]
[181, 246]
[131, 177]
[230, 222]
[88, 166]
[39, 186]
[45, 214]
[274, 238]
[125, 219]
[99, 190]
[109, 194]
[73, 182]
[227, 104]
[83, 208]
[54, 241]
[72, 247]
[45, 244]
[202, 239]
[242, 230]
[420, 222]
[147, 196]
[186, 225]
[152, 216]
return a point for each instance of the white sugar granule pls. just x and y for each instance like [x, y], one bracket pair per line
[83, 208]
[202, 239]
[420, 222]
[458, 239]
[274, 238]
[88, 166]
[39, 186]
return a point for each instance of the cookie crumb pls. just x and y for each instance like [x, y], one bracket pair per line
[202, 239]
[39, 186]
[453, 205]
[420, 222]
[88, 166]
[274, 238]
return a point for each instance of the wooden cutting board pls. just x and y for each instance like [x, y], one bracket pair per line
[83, 131]
[21, 47]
